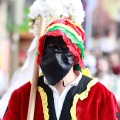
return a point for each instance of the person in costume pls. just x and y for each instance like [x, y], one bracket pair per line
[66, 90]
[43, 8]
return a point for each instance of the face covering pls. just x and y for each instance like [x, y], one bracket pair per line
[56, 61]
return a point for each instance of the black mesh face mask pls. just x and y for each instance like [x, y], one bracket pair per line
[55, 44]
[56, 60]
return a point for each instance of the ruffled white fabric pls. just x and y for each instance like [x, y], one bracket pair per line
[60, 9]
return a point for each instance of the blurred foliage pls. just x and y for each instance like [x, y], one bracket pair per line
[24, 27]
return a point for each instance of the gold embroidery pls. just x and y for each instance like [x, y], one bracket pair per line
[44, 102]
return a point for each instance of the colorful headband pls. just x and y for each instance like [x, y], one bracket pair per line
[72, 34]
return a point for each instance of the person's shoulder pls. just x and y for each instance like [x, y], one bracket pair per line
[100, 87]
[26, 86]
[101, 90]
[24, 90]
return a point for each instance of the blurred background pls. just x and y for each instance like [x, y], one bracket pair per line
[102, 46]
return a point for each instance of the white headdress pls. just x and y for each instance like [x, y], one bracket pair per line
[72, 9]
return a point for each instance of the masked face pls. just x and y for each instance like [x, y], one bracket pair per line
[56, 61]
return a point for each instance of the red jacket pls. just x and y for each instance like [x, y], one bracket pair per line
[99, 104]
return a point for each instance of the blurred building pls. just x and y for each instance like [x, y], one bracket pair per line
[108, 13]
[14, 38]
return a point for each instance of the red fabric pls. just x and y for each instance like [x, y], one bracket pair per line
[100, 105]
[18, 105]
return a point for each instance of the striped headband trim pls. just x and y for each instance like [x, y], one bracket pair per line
[70, 33]
[77, 27]
[70, 29]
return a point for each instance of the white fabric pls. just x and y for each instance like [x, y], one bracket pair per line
[3, 82]
[59, 99]
[24, 76]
